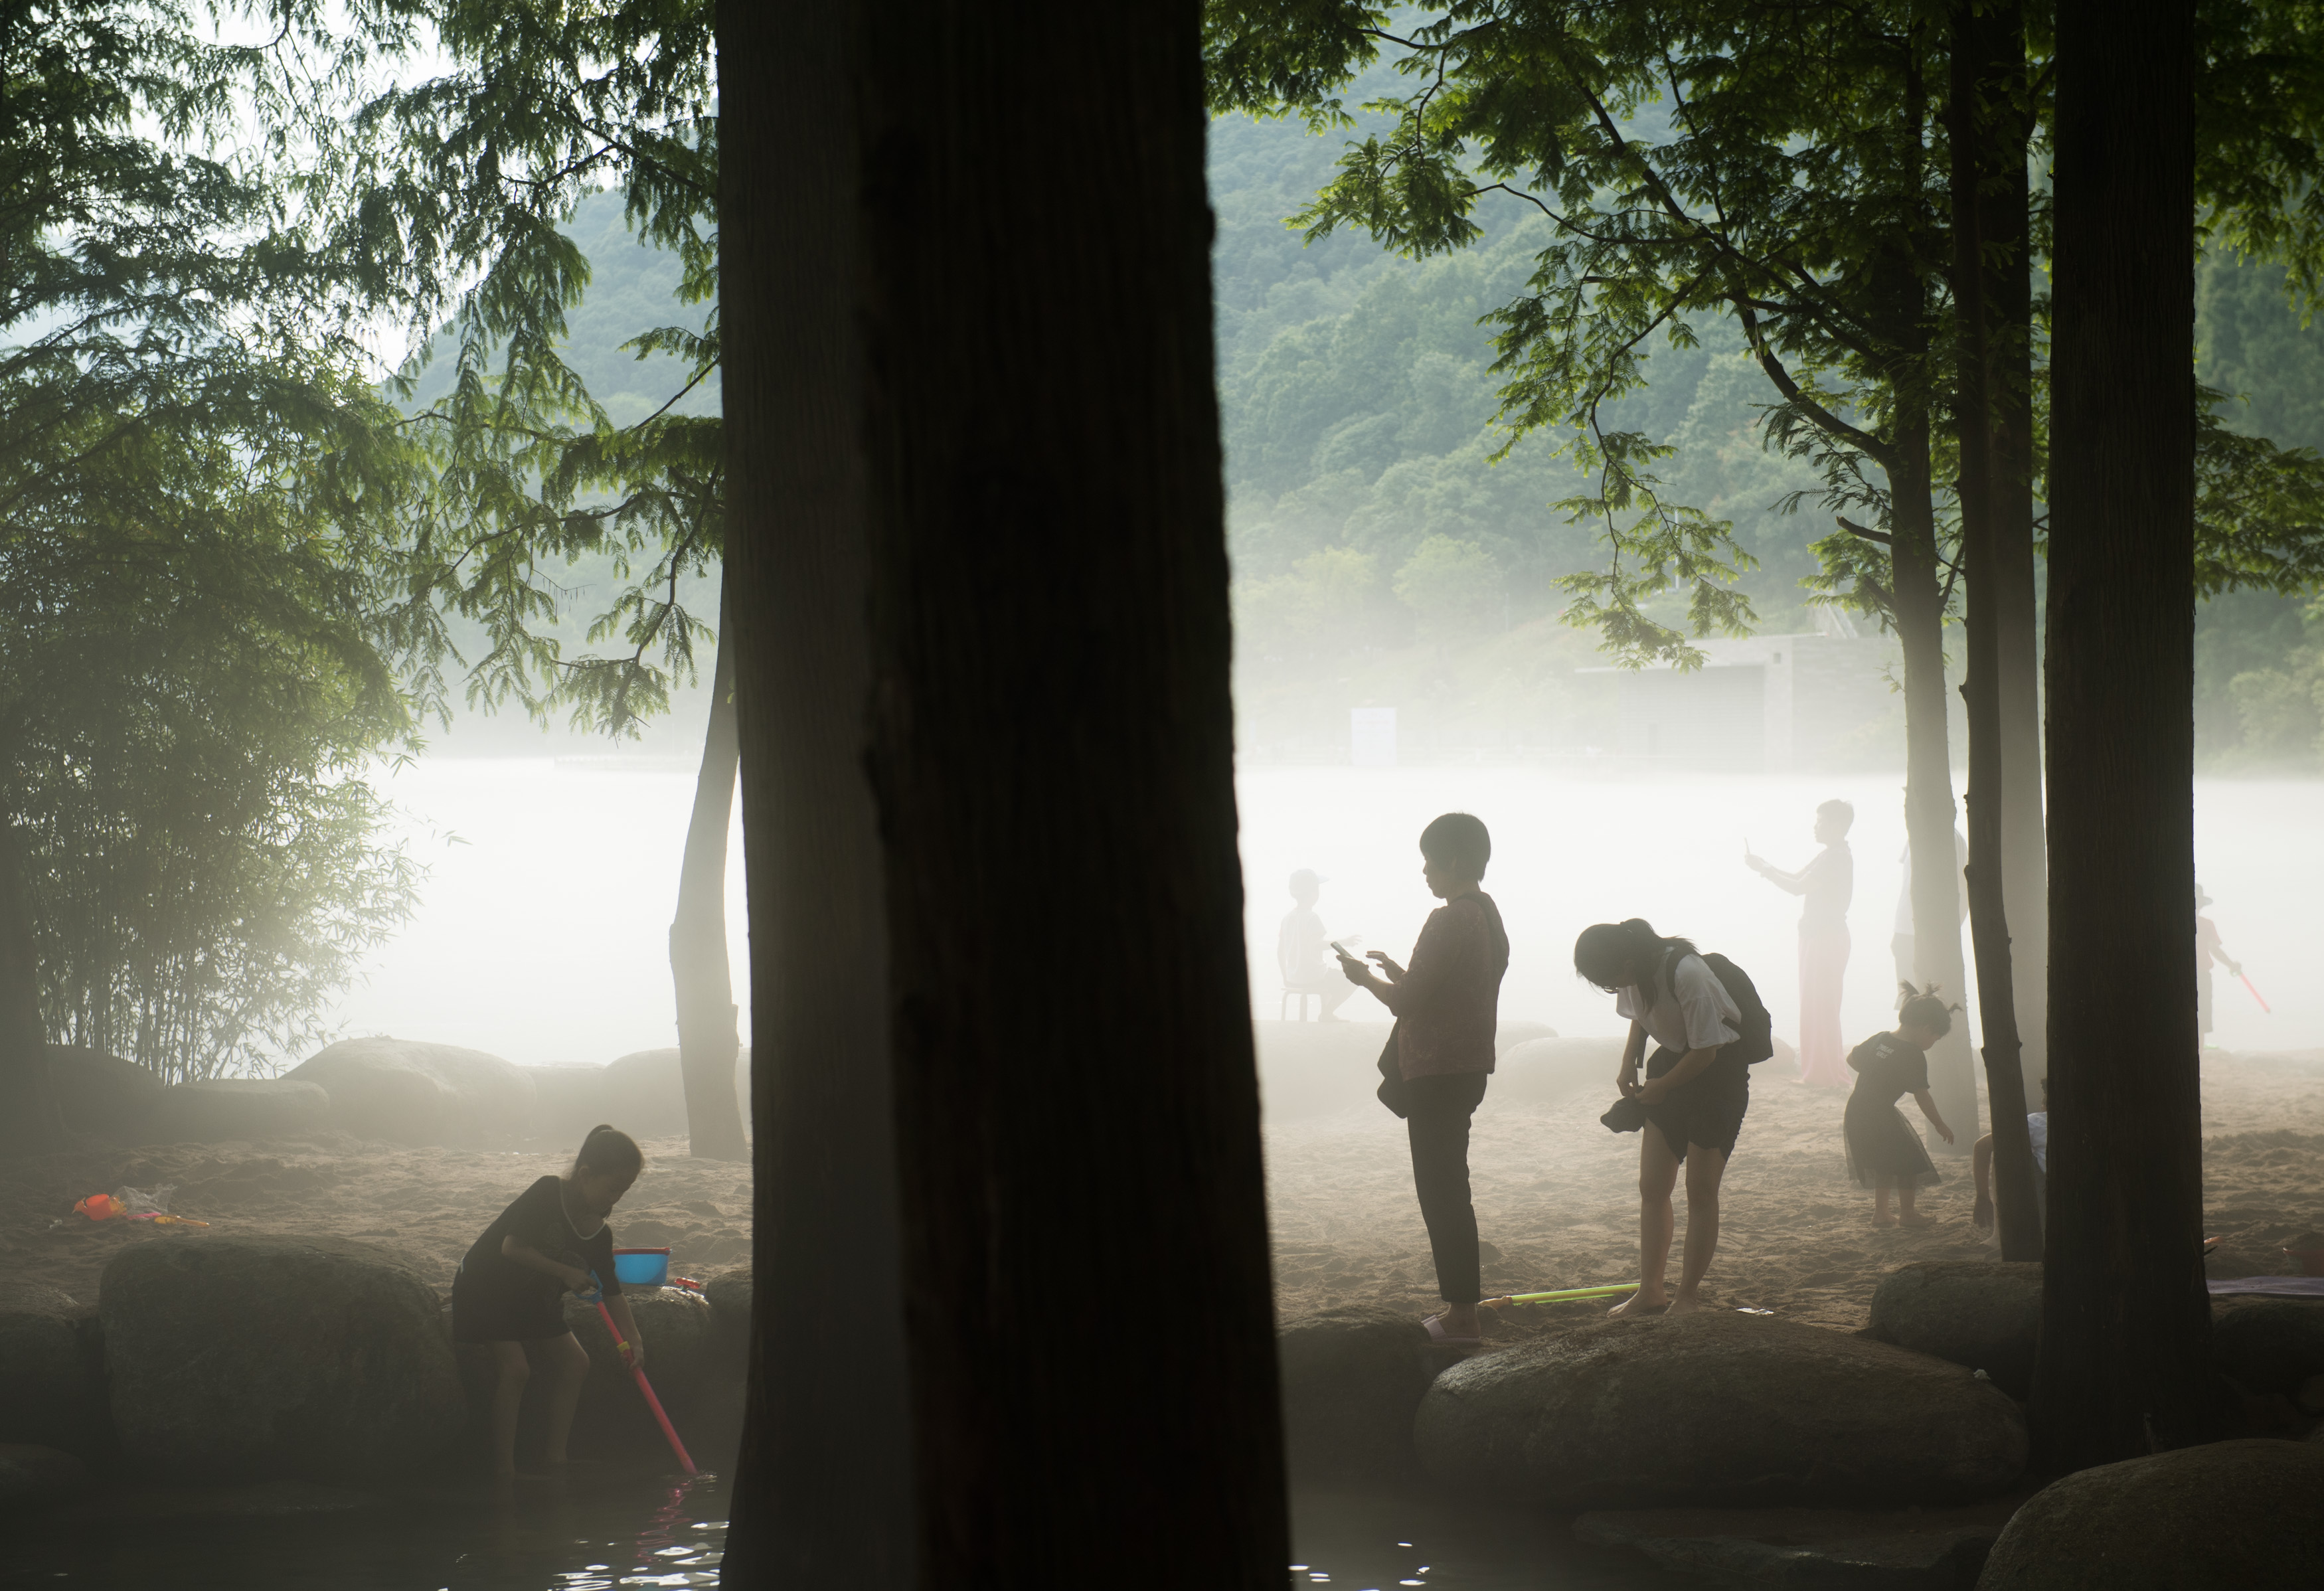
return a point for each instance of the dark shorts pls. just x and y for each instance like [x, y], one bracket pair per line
[488, 1309]
[1707, 1110]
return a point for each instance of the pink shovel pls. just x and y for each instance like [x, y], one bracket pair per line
[645, 1386]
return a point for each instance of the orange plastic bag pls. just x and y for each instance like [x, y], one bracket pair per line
[100, 1207]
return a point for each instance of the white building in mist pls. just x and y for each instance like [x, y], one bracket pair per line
[1769, 704]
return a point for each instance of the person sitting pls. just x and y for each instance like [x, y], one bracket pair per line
[1446, 1006]
[1698, 1086]
[1299, 951]
[1884, 1152]
[2037, 1127]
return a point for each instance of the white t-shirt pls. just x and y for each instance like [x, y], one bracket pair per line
[1699, 1014]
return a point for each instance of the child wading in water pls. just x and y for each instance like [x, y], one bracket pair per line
[1883, 1149]
[510, 1291]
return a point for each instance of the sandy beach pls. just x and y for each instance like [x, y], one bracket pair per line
[1555, 1194]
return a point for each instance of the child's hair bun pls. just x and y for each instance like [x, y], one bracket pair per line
[609, 1149]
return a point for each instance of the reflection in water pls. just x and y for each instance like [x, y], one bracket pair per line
[1374, 1539]
[607, 1528]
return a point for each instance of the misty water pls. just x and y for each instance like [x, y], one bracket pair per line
[541, 934]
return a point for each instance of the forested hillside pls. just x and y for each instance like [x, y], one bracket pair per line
[1382, 557]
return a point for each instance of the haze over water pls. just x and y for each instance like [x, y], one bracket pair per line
[542, 938]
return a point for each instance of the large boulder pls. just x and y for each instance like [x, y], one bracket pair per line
[1551, 1071]
[728, 1294]
[1984, 1314]
[684, 1364]
[2229, 1513]
[1719, 1409]
[52, 1372]
[240, 1109]
[644, 1094]
[233, 1358]
[411, 1093]
[102, 1094]
[1351, 1380]
[2269, 1344]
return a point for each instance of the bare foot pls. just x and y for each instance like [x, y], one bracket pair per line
[1686, 1303]
[1981, 1217]
[1640, 1304]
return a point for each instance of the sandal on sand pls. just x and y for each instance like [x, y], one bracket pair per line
[1444, 1338]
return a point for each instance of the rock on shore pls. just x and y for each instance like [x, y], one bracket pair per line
[405, 1091]
[231, 1357]
[1352, 1380]
[1983, 1314]
[2229, 1514]
[1719, 1409]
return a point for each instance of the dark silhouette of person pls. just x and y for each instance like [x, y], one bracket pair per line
[1446, 1006]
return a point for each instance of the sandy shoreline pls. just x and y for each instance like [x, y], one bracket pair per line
[1555, 1191]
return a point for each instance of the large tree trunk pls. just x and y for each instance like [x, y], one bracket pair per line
[707, 1043]
[30, 1121]
[823, 1490]
[1981, 68]
[2125, 1318]
[978, 460]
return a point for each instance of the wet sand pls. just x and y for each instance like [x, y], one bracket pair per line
[1554, 1190]
[1558, 1205]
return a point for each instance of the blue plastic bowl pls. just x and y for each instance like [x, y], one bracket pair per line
[641, 1267]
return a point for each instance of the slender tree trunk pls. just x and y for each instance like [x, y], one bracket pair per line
[2005, 213]
[1975, 64]
[29, 1120]
[1930, 813]
[2125, 1319]
[977, 448]
[707, 1043]
[823, 1491]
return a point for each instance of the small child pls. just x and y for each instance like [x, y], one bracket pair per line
[1884, 1152]
[510, 1288]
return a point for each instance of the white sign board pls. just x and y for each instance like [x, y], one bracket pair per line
[1371, 737]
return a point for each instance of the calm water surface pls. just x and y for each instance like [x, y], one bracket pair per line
[624, 1529]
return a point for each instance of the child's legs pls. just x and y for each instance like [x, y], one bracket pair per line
[568, 1364]
[510, 1372]
[1905, 1193]
[1880, 1202]
[1657, 1175]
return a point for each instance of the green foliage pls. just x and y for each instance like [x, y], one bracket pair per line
[1450, 584]
[198, 493]
[462, 189]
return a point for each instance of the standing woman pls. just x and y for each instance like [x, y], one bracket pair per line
[1698, 1086]
[1825, 885]
[1446, 1006]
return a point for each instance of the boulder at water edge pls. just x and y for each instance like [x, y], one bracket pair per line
[411, 1093]
[1719, 1409]
[2241, 1514]
[684, 1361]
[52, 1372]
[234, 1357]
[2268, 1344]
[1984, 1314]
[1351, 1379]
